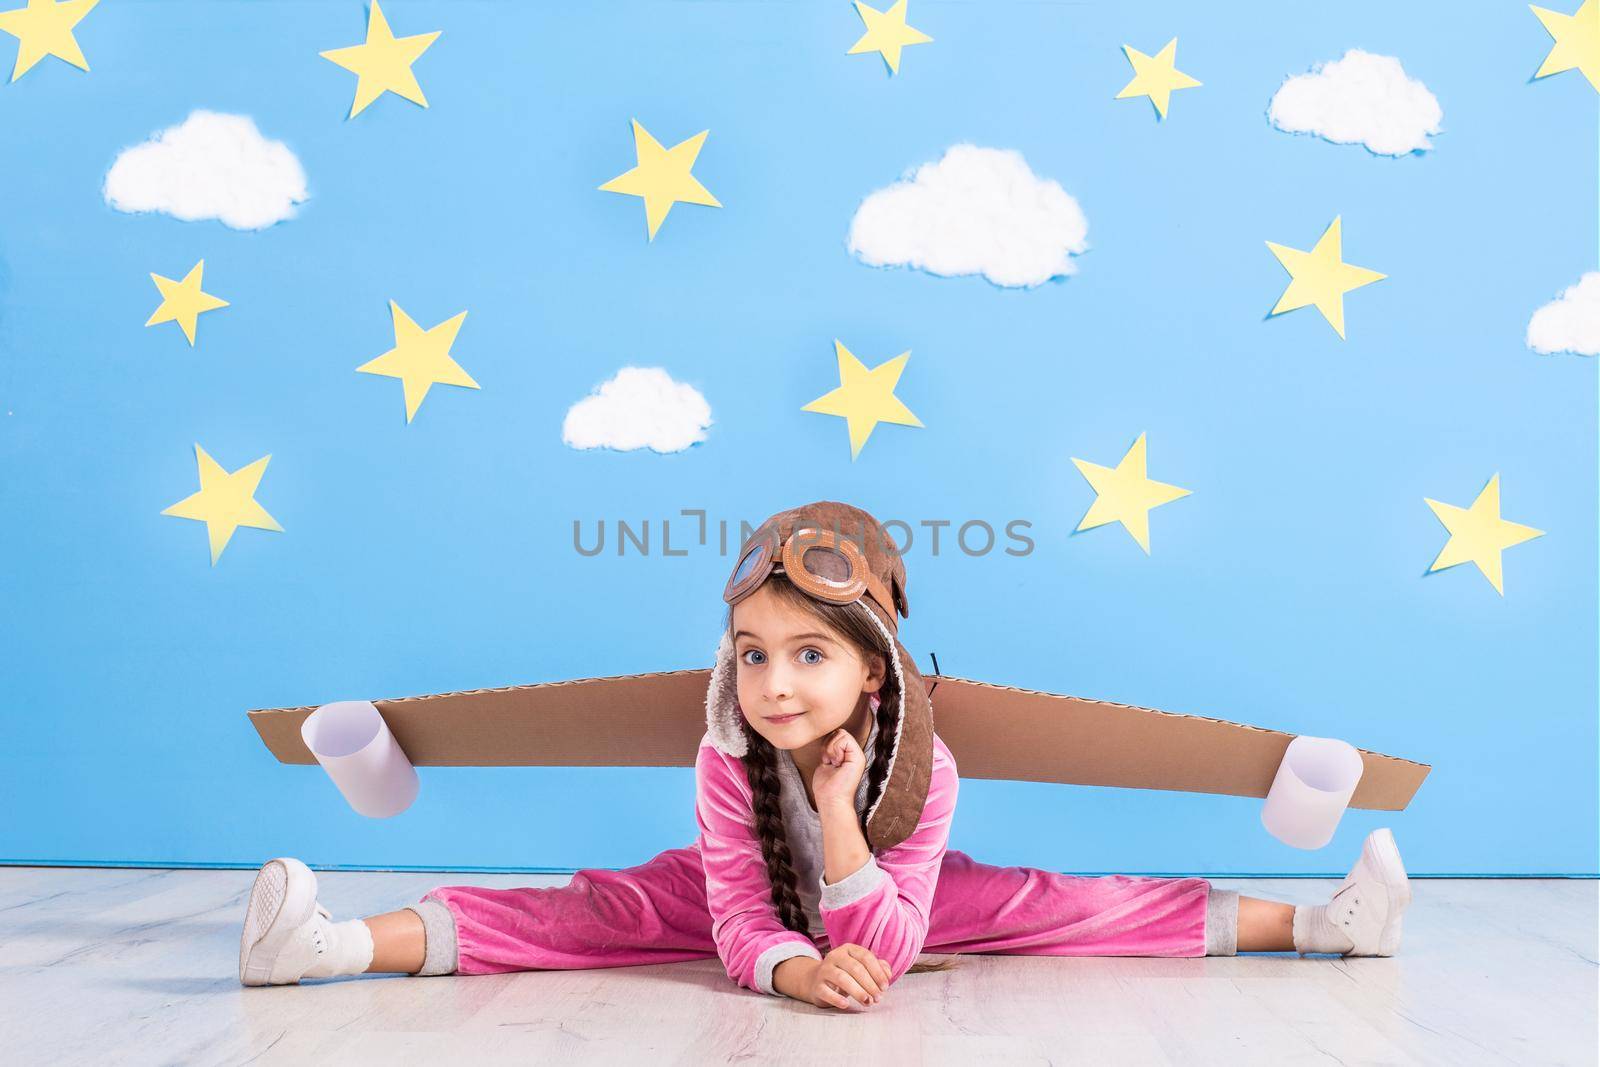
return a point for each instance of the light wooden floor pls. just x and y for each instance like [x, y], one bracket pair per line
[140, 966]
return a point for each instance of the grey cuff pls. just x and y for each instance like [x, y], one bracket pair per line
[768, 961]
[853, 887]
[1222, 921]
[439, 932]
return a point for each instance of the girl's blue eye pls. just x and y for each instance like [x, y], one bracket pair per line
[804, 652]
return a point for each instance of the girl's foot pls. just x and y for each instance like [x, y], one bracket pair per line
[288, 936]
[1364, 916]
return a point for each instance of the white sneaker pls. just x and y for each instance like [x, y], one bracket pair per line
[1369, 904]
[285, 929]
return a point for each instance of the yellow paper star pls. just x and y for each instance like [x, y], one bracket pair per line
[1321, 277]
[1479, 534]
[662, 176]
[225, 501]
[887, 33]
[1124, 494]
[420, 358]
[44, 28]
[383, 63]
[1156, 76]
[865, 397]
[183, 302]
[1577, 44]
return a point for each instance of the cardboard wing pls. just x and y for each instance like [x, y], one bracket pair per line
[993, 731]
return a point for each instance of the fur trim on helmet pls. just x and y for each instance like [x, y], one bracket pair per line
[722, 703]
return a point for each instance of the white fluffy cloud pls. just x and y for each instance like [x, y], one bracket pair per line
[975, 211]
[210, 166]
[641, 407]
[1360, 99]
[1571, 322]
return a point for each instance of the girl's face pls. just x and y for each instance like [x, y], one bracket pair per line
[798, 681]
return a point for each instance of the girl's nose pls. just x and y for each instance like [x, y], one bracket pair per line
[778, 684]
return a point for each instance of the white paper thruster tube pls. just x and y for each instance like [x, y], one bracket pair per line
[354, 745]
[1313, 786]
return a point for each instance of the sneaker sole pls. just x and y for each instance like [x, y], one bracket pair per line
[279, 905]
[1384, 855]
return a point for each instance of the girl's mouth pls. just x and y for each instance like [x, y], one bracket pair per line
[779, 720]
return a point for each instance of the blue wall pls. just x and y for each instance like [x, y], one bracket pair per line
[1287, 591]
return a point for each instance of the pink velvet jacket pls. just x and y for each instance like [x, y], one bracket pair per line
[883, 905]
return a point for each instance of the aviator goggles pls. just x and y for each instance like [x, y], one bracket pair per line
[819, 561]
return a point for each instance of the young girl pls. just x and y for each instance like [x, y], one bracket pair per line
[824, 800]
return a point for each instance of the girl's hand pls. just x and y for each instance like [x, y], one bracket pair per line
[839, 773]
[848, 976]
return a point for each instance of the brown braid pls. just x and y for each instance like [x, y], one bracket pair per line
[878, 771]
[760, 764]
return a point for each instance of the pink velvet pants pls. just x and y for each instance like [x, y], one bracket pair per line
[656, 913]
